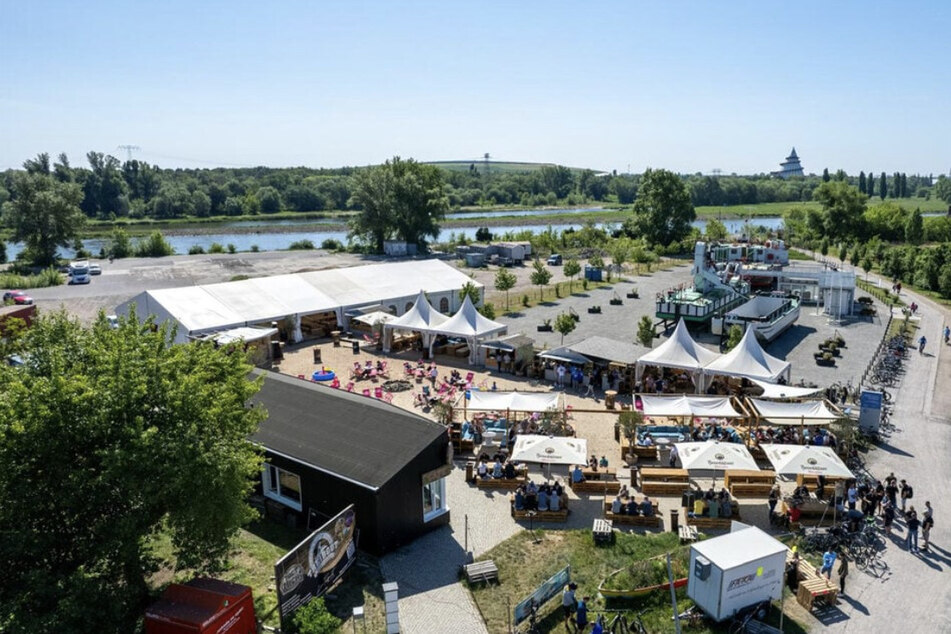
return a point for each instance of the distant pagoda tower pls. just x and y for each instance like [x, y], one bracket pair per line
[790, 167]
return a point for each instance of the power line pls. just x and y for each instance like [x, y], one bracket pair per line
[129, 149]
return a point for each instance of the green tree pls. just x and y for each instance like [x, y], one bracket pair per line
[470, 290]
[734, 336]
[44, 215]
[564, 324]
[645, 332]
[862, 183]
[540, 276]
[399, 198]
[716, 230]
[824, 246]
[505, 281]
[942, 188]
[620, 252]
[915, 228]
[883, 186]
[663, 210]
[314, 618]
[115, 430]
[843, 207]
[596, 261]
[843, 252]
[270, 200]
[154, 246]
[120, 246]
[944, 280]
[571, 268]
[825, 175]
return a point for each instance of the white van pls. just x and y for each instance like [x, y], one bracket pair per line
[79, 272]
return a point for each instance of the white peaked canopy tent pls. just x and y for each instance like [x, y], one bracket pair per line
[806, 459]
[700, 406]
[375, 317]
[778, 391]
[550, 449]
[715, 456]
[469, 323]
[803, 412]
[513, 401]
[749, 360]
[680, 351]
[422, 317]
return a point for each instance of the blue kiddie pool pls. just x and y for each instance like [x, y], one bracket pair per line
[323, 375]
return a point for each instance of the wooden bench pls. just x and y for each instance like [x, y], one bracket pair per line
[743, 476]
[602, 530]
[608, 504]
[712, 523]
[652, 521]
[484, 571]
[501, 483]
[659, 487]
[607, 487]
[661, 474]
[541, 516]
[688, 534]
[603, 473]
[750, 489]
[812, 481]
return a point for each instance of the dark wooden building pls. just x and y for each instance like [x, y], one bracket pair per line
[327, 448]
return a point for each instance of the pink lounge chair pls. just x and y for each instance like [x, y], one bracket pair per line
[366, 392]
[373, 375]
[335, 383]
[350, 386]
[301, 376]
[469, 378]
[388, 397]
[378, 392]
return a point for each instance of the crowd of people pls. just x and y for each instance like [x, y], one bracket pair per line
[544, 497]
[794, 435]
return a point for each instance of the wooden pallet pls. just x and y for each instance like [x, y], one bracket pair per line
[500, 483]
[750, 489]
[611, 487]
[656, 487]
[602, 530]
[484, 571]
[688, 534]
[813, 592]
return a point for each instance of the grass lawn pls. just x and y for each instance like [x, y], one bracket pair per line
[524, 565]
[257, 548]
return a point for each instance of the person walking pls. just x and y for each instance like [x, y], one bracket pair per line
[843, 572]
[568, 604]
[888, 515]
[947, 334]
[828, 561]
[773, 501]
[581, 614]
[912, 523]
[921, 344]
[926, 525]
[673, 455]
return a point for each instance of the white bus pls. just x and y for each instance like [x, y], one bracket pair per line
[79, 272]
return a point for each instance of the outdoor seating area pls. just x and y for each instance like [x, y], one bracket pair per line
[708, 523]
[749, 484]
[661, 480]
[628, 511]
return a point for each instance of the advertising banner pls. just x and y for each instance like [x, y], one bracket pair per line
[315, 565]
[547, 591]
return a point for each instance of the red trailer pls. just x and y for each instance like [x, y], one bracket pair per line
[202, 606]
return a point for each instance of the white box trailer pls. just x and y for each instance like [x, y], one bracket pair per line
[735, 571]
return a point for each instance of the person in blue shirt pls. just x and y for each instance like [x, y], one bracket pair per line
[577, 475]
[519, 499]
[603, 463]
[581, 614]
[828, 560]
[542, 499]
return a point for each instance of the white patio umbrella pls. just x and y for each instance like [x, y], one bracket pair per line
[806, 459]
[713, 455]
[549, 450]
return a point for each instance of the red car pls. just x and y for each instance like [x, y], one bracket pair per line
[17, 297]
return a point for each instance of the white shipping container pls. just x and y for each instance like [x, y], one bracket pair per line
[735, 571]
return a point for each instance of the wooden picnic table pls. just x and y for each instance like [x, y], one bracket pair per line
[606, 473]
[661, 474]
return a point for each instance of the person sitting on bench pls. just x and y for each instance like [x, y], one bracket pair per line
[632, 507]
[623, 493]
[519, 499]
[497, 468]
[554, 501]
[531, 492]
[616, 506]
[577, 475]
[714, 508]
[699, 507]
[483, 469]
[647, 507]
[543, 498]
[509, 470]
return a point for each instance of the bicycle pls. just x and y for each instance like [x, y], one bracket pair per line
[741, 620]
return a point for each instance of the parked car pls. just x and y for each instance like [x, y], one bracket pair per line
[17, 297]
[554, 259]
[95, 269]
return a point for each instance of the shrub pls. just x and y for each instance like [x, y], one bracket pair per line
[488, 310]
[254, 248]
[314, 618]
[524, 300]
[301, 245]
[196, 249]
[46, 277]
[330, 244]
[216, 248]
[232, 248]
[155, 246]
[238, 278]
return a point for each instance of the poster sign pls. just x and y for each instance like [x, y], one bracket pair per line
[545, 592]
[315, 565]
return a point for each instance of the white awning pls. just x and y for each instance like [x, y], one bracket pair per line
[550, 449]
[701, 406]
[806, 459]
[793, 413]
[749, 360]
[514, 401]
[565, 355]
[376, 317]
[777, 391]
[715, 456]
[243, 334]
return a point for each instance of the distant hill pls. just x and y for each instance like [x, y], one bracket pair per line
[497, 166]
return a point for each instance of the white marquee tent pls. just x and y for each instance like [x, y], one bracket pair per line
[470, 324]
[550, 449]
[796, 413]
[422, 317]
[513, 401]
[198, 310]
[700, 406]
[806, 459]
[749, 360]
[680, 351]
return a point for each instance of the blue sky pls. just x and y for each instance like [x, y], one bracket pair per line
[689, 86]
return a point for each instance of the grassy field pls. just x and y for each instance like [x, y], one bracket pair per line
[255, 551]
[524, 565]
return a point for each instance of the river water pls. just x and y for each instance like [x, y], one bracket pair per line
[266, 240]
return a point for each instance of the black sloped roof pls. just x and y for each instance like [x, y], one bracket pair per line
[348, 435]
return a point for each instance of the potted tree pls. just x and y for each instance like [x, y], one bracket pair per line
[545, 326]
[824, 358]
[633, 294]
[594, 310]
[616, 300]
